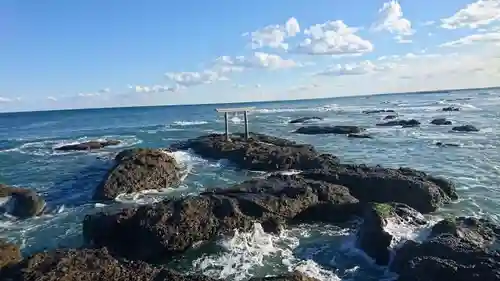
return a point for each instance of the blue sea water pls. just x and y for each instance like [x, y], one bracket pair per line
[67, 179]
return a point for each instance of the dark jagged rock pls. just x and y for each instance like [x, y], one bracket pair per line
[404, 123]
[359, 136]
[89, 265]
[378, 111]
[441, 144]
[317, 130]
[441, 121]
[136, 170]
[390, 117]
[465, 128]
[373, 239]
[451, 108]
[260, 152]
[169, 227]
[458, 249]
[9, 254]
[376, 184]
[23, 203]
[305, 119]
[481, 232]
[90, 145]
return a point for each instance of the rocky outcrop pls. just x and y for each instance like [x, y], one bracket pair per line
[89, 265]
[155, 232]
[451, 108]
[372, 237]
[390, 117]
[9, 254]
[137, 170]
[465, 128]
[403, 123]
[318, 130]
[441, 121]
[305, 119]
[296, 276]
[21, 202]
[359, 136]
[90, 145]
[458, 249]
[377, 111]
[376, 184]
[442, 144]
[260, 152]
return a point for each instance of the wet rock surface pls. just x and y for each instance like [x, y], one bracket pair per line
[260, 152]
[403, 123]
[458, 249]
[9, 254]
[360, 136]
[451, 108]
[377, 184]
[305, 119]
[137, 170]
[441, 121]
[90, 145]
[318, 130]
[22, 203]
[465, 128]
[378, 111]
[371, 236]
[157, 232]
[442, 144]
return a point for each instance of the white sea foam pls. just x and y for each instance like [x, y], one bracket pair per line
[245, 253]
[189, 123]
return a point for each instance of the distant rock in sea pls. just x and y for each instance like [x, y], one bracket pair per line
[22, 203]
[378, 111]
[91, 145]
[305, 119]
[451, 108]
[465, 128]
[441, 121]
[403, 123]
[318, 130]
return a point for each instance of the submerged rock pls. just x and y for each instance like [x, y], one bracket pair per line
[156, 232]
[390, 117]
[90, 145]
[372, 237]
[465, 128]
[451, 108]
[9, 254]
[137, 170]
[22, 203]
[305, 119]
[441, 121]
[359, 136]
[441, 144]
[317, 130]
[377, 111]
[89, 265]
[458, 249]
[376, 184]
[260, 152]
[404, 123]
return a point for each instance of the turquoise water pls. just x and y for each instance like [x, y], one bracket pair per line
[66, 180]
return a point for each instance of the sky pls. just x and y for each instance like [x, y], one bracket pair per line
[57, 54]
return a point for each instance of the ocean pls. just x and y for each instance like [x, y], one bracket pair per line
[66, 180]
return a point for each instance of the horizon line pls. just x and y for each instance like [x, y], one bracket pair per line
[246, 102]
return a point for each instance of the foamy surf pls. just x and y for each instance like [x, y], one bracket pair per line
[189, 123]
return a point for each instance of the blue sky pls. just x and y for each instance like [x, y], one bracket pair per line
[94, 53]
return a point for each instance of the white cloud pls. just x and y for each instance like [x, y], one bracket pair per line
[52, 98]
[360, 68]
[153, 89]
[5, 100]
[333, 38]
[391, 19]
[474, 15]
[256, 60]
[428, 23]
[485, 38]
[274, 36]
[189, 79]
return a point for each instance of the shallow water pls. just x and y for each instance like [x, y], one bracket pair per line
[67, 179]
